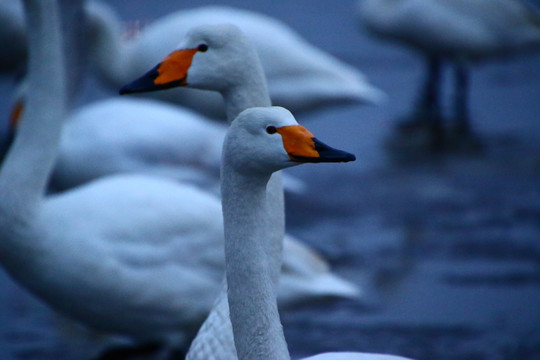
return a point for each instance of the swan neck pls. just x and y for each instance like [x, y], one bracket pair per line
[257, 329]
[26, 168]
[73, 38]
[248, 89]
[107, 50]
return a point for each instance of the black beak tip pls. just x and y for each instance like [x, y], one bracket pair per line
[340, 156]
[349, 157]
[124, 90]
[144, 83]
[329, 154]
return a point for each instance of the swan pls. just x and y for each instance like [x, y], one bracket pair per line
[461, 31]
[259, 142]
[300, 76]
[116, 254]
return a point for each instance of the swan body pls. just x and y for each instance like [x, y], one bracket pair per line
[300, 76]
[117, 254]
[468, 29]
[138, 135]
[116, 273]
[259, 142]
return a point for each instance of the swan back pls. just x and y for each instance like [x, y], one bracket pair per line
[139, 135]
[466, 28]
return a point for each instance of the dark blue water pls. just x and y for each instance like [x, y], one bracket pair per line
[447, 247]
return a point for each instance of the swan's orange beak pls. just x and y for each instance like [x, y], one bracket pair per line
[169, 73]
[302, 146]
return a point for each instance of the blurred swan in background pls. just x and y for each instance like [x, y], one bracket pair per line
[138, 136]
[460, 31]
[259, 142]
[299, 75]
[137, 256]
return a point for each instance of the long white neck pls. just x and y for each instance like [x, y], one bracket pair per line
[108, 51]
[257, 329]
[74, 38]
[26, 168]
[250, 89]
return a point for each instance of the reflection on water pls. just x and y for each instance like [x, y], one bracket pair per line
[447, 247]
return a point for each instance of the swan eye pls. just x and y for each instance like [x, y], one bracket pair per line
[202, 47]
[271, 129]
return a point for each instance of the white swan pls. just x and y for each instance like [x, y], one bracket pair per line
[118, 253]
[259, 142]
[300, 76]
[457, 30]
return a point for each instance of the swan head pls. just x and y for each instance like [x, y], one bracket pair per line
[211, 57]
[268, 139]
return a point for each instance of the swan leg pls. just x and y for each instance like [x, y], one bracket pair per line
[461, 111]
[426, 116]
[463, 137]
[431, 103]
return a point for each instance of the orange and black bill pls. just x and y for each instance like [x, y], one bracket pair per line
[170, 73]
[302, 146]
[146, 83]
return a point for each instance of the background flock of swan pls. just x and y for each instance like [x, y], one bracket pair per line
[110, 212]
